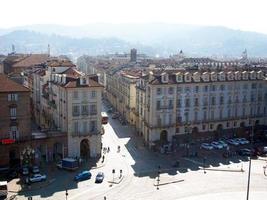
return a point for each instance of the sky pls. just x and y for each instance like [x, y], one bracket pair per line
[238, 14]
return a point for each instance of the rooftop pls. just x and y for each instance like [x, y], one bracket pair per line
[8, 85]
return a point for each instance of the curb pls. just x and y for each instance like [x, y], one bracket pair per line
[178, 181]
[161, 171]
[224, 170]
[118, 182]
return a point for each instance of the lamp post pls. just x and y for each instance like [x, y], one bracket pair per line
[187, 126]
[158, 177]
[66, 193]
[249, 169]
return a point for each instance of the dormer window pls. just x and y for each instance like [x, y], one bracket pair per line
[187, 77]
[230, 76]
[259, 75]
[84, 81]
[221, 76]
[252, 75]
[164, 78]
[244, 75]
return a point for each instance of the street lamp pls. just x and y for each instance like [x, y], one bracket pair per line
[249, 169]
[158, 177]
[66, 193]
[187, 126]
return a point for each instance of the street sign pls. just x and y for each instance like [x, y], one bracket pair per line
[8, 141]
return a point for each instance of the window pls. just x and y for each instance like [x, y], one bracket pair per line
[228, 124]
[187, 103]
[258, 110]
[206, 88]
[244, 111]
[196, 101]
[205, 103]
[12, 97]
[187, 89]
[259, 97]
[245, 86]
[92, 126]
[221, 114]
[222, 87]
[179, 89]
[76, 127]
[170, 104]
[236, 112]
[178, 103]
[253, 85]
[85, 129]
[158, 104]
[85, 110]
[221, 100]
[229, 112]
[244, 99]
[196, 88]
[236, 99]
[93, 94]
[83, 81]
[212, 114]
[159, 120]
[211, 126]
[177, 130]
[205, 115]
[170, 90]
[75, 110]
[158, 91]
[234, 124]
[203, 127]
[75, 95]
[213, 100]
[229, 100]
[196, 116]
[252, 98]
[186, 116]
[214, 88]
[13, 132]
[13, 112]
[93, 110]
[170, 119]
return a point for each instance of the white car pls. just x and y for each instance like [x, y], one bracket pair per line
[242, 140]
[37, 178]
[232, 142]
[224, 144]
[217, 145]
[206, 146]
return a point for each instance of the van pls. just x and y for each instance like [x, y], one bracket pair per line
[3, 189]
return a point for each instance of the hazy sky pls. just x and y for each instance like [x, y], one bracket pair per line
[238, 14]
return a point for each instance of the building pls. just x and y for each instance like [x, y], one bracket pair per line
[184, 106]
[15, 118]
[121, 92]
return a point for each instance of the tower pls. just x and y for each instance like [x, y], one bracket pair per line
[48, 50]
[133, 55]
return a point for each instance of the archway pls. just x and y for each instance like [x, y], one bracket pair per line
[57, 151]
[85, 149]
[218, 132]
[164, 136]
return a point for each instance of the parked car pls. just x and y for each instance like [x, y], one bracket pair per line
[206, 146]
[37, 178]
[35, 170]
[247, 152]
[99, 177]
[217, 145]
[261, 151]
[224, 144]
[84, 175]
[25, 170]
[232, 142]
[242, 141]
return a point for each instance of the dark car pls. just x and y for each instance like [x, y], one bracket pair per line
[99, 177]
[84, 175]
[247, 152]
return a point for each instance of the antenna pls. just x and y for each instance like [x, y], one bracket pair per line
[48, 49]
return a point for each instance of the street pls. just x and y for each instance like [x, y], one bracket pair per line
[139, 174]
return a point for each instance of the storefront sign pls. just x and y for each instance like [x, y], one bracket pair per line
[8, 141]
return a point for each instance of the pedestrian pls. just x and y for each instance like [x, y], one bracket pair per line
[103, 158]
[108, 149]
[105, 198]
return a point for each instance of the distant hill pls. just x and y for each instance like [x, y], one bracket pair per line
[33, 42]
[150, 38]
